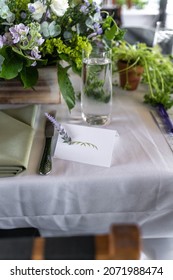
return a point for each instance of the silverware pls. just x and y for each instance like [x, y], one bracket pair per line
[46, 161]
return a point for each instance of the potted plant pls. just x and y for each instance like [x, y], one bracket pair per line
[130, 63]
[157, 70]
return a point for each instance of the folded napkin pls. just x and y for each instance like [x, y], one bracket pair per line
[16, 137]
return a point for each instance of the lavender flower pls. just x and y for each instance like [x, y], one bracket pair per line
[67, 139]
[59, 127]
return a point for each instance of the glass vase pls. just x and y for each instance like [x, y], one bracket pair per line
[96, 91]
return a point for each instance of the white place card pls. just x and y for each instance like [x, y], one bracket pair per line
[91, 145]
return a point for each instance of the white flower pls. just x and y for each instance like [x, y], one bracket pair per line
[5, 13]
[59, 7]
[37, 9]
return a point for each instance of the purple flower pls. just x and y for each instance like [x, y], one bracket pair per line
[98, 28]
[18, 31]
[23, 15]
[31, 8]
[15, 35]
[99, 31]
[84, 9]
[92, 35]
[66, 138]
[40, 41]
[87, 2]
[47, 15]
[53, 121]
[7, 39]
[35, 53]
[97, 9]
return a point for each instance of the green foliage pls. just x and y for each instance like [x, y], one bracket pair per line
[158, 70]
[133, 54]
[111, 32]
[12, 64]
[29, 76]
[65, 86]
[17, 65]
[94, 89]
[94, 86]
[35, 33]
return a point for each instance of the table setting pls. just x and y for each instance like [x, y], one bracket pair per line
[77, 166]
[81, 198]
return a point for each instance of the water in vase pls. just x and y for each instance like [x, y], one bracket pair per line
[96, 96]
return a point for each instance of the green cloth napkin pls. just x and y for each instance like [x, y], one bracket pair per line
[16, 137]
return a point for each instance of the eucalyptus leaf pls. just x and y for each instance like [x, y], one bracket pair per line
[45, 29]
[89, 22]
[50, 30]
[54, 29]
[97, 16]
[67, 35]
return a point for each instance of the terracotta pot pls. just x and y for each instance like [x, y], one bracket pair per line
[129, 77]
[129, 3]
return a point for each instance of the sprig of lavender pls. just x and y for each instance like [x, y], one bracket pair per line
[60, 128]
[64, 135]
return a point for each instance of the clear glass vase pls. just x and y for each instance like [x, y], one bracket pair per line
[96, 91]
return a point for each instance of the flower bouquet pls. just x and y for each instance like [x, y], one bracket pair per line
[39, 33]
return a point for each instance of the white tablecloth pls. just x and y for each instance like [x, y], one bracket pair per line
[84, 199]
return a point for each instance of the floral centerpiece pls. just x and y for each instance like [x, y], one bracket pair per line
[45, 32]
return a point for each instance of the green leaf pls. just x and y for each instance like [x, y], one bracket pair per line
[50, 30]
[12, 64]
[1, 61]
[29, 76]
[66, 87]
[54, 29]
[110, 33]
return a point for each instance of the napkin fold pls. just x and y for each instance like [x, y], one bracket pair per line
[16, 138]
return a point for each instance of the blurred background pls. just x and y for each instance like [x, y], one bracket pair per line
[148, 21]
[142, 13]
